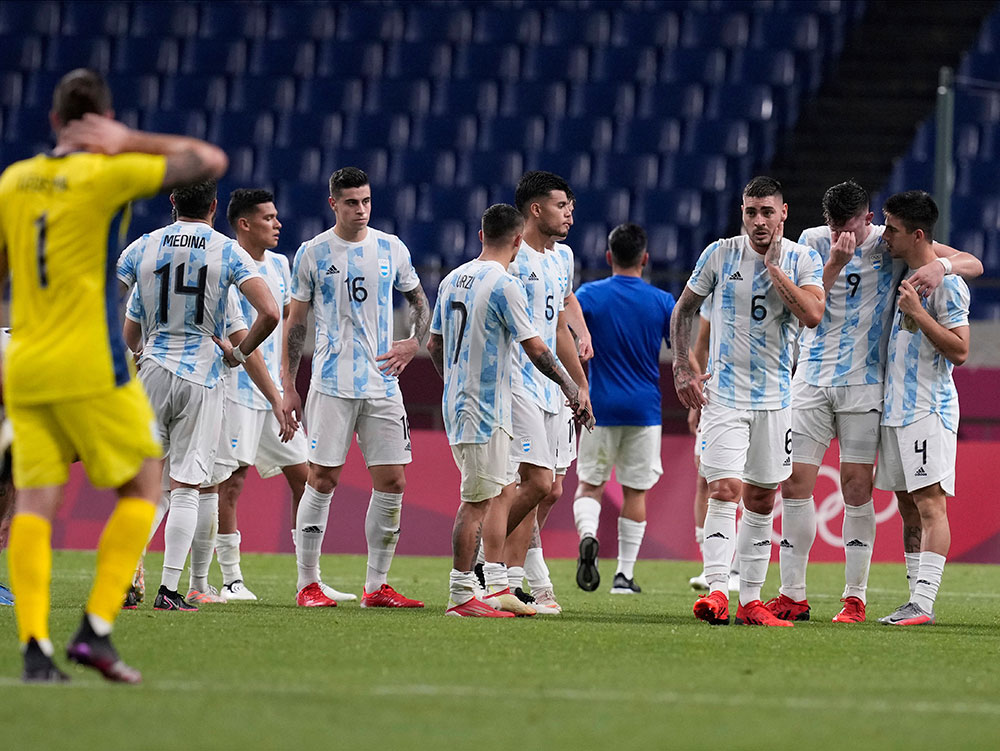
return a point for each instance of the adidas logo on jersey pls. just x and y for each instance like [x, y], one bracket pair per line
[920, 472]
[332, 270]
[855, 544]
[532, 277]
[736, 276]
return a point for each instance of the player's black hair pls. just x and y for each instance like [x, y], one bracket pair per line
[762, 187]
[844, 201]
[627, 243]
[78, 92]
[345, 178]
[195, 200]
[243, 201]
[501, 221]
[915, 209]
[536, 184]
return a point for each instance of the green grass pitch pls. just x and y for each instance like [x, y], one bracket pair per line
[611, 671]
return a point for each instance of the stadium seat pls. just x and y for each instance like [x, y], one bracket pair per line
[29, 17]
[981, 65]
[216, 56]
[433, 22]
[970, 143]
[418, 60]
[610, 205]
[601, 100]
[533, 98]
[726, 137]
[297, 20]
[975, 178]
[256, 93]
[753, 102]
[135, 91]
[572, 26]
[367, 131]
[38, 88]
[658, 29]
[593, 134]
[66, 53]
[363, 21]
[671, 100]
[701, 65]
[331, 95]
[243, 20]
[26, 125]
[250, 128]
[94, 19]
[555, 63]
[635, 171]
[241, 161]
[182, 122]
[705, 172]
[589, 241]
[728, 30]
[477, 62]
[794, 31]
[138, 55]
[521, 133]
[769, 66]
[163, 19]
[282, 57]
[574, 167]
[455, 98]
[910, 174]
[977, 106]
[663, 246]
[680, 207]
[302, 200]
[444, 132]
[399, 202]
[489, 167]
[466, 204]
[507, 26]
[976, 213]
[648, 135]
[969, 240]
[388, 96]
[194, 92]
[291, 164]
[624, 64]
[317, 127]
[361, 59]
[20, 53]
[431, 242]
[374, 161]
[417, 167]
[11, 91]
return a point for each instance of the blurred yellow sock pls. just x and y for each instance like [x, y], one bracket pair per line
[118, 552]
[29, 556]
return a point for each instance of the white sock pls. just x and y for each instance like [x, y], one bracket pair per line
[699, 536]
[515, 577]
[481, 554]
[630, 534]
[203, 544]
[536, 571]
[798, 532]
[310, 521]
[161, 510]
[928, 580]
[495, 575]
[460, 586]
[382, 533]
[754, 545]
[720, 543]
[587, 515]
[178, 534]
[859, 539]
[912, 569]
[227, 550]
[98, 625]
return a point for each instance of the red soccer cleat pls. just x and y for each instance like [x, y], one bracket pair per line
[476, 609]
[311, 596]
[788, 609]
[713, 608]
[852, 612]
[387, 597]
[755, 614]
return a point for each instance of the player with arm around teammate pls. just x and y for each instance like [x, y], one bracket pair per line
[764, 287]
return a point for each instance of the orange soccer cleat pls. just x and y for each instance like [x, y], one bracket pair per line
[755, 614]
[311, 596]
[713, 608]
[387, 597]
[852, 612]
[788, 609]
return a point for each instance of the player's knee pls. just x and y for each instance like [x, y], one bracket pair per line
[727, 489]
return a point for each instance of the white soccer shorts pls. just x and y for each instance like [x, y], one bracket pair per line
[851, 413]
[917, 455]
[485, 467]
[565, 440]
[251, 437]
[381, 425]
[535, 433]
[751, 445]
[632, 450]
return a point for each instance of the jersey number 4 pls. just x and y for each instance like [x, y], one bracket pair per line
[180, 288]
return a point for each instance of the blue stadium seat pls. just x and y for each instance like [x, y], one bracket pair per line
[291, 164]
[382, 130]
[256, 93]
[579, 134]
[575, 26]
[701, 65]
[971, 143]
[590, 244]
[974, 178]
[374, 161]
[648, 135]
[461, 203]
[574, 167]
[389, 96]
[194, 92]
[977, 106]
[701, 171]
[217, 56]
[555, 63]
[506, 25]
[11, 91]
[981, 65]
[645, 29]
[29, 17]
[164, 19]
[671, 100]
[663, 246]
[991, 256]
[794, 31]
[138, 55]
[398, 202]
[728, 30]
[455, 98]
[38, 88]
[477, 168]
[533, 98]
[680, 207]
[94, 19]
[361, 59]
[331, 95]
[753, 102]
[66, 53]
[134, 91]
[436, 132]
[298, 20]
[608, 204]
[518, 132]
[181, 122]
[434, 22]
[243, 20]
[20, 53]
[241, 161]
[282, 57]
[300, 200]
[501, 62]
[418, 60]
[637, 171]
[726, 137]
[911, 175]
[27, 125]
[770, 66]
[969, 240]
[316, 127]
[250, 128]
[422, 166]
[362, 21]
[976, 213]
[601, 100]
[624, 64]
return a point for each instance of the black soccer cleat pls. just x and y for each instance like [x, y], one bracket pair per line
[587, 576]
[38, 666]
[131, 600]
[90, 650]
[168, 600]
[624, 586]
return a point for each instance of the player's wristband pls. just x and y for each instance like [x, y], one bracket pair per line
[946, 262]
[239, 356]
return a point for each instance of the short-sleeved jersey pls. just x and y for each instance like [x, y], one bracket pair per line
[627, 319]
[544, 278]
[62, 223]
[183, 273]
[481, 311]
[569, 264]
[918, 377]
[276, 274]
[753, 332]
[848, 346]
[350, 287]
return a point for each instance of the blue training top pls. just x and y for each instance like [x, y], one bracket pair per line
[627, 319]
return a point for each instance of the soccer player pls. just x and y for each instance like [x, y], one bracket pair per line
[183, 273]
[543, 198]
[346, 275]
[837, 390]
[6, 491]
[481, 312]
[930, 335]
[765, 286]
[628, 319]
[251, 433]
[69, 388]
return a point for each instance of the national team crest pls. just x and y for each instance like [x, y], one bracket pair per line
[383, 266]
[526, 445]
[312, 444]
[234, 441]
[876, 261]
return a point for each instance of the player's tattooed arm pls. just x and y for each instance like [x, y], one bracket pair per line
[295, 339]
[805, 303]
[435, 346]
[543, 359]
[687, 381]
[402, 351]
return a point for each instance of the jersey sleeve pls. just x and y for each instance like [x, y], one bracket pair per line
[130, 176]
[953, 302]
[302, 277]
[242, 266]
[810, 269]
[286, 277]
[436, 327]
[133, 308]
[703, 278]
[512, 310]
[406, 275]
[234, 313]
[128, 262]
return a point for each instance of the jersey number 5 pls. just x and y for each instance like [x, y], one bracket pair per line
[181, 288]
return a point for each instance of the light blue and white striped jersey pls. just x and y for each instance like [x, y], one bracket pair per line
[234, 314]
[481, 311]
[918, 377]
[350, 286]
[275, 272]
[182, 274]
[848, 346]
[753, 333]
[544, 278]
[569, 263]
